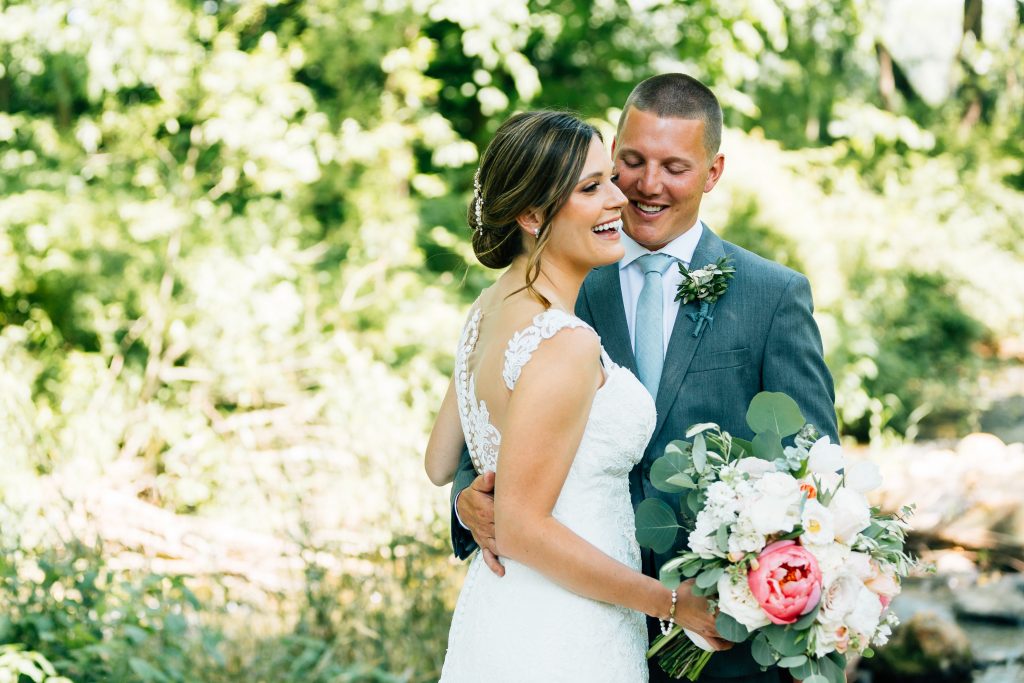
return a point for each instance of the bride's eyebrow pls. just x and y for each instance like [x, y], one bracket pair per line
[595, 174]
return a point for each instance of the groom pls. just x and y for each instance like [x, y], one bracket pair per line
[761, 337]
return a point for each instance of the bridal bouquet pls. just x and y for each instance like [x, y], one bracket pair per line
[785, 544]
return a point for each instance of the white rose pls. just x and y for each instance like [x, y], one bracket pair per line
[776, 506]
[824, 639]
[866, 613]
[831, 560]
[850, 513]
[817, 523]
[755, 467]
[736, 600]
[863, 476]
[825, 457]
[839, 599]
[859, 565]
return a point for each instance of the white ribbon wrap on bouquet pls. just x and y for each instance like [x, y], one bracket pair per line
[698, 640]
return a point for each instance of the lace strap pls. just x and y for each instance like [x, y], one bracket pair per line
[524, 342]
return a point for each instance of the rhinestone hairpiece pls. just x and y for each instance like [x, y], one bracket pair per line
[478, 202]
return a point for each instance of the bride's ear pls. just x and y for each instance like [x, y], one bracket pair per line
[530, 221]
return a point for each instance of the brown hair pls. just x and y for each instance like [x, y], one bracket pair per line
[533, 162]
[679, 96]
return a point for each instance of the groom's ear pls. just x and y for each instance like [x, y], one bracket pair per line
[715, 172]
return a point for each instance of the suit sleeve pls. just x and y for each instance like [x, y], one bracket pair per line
[794, 362]
[462, 540]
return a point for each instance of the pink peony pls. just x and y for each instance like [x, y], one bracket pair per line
[787, 581]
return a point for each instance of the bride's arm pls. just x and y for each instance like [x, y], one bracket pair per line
[446, 441]
[544, 423]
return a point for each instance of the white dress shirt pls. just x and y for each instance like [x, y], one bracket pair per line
[631, 277]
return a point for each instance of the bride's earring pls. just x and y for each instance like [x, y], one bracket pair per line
[536, 232]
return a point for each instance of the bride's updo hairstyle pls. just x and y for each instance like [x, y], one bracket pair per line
[533, 162]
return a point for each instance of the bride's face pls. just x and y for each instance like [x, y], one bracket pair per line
[585, 232]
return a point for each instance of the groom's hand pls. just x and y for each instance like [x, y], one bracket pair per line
[692, 613]
[476, 510]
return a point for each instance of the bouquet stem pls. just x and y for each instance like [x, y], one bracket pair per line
[678, 656]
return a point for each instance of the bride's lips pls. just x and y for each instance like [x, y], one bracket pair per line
[609, 230]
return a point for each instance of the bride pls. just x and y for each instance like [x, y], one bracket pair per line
[536, 399]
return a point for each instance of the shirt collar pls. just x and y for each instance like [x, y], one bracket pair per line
[681, 248]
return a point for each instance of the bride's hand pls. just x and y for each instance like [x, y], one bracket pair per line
[692, 613]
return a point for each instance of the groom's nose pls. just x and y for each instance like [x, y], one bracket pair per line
[650, 181]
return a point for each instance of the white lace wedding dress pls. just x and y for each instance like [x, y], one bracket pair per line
[523, 627]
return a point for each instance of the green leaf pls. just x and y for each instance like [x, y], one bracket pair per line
[790, 662]
[700, 454]
[804, 622]
[692, 568]
[698, 428]
[767, 445]
[784, 640]
[656, 525]
[709, 577]
[730, 629]
[831, 670]
[673, 463]
[679, 480]
[742, 447]
[722, 537]
[775, 412]
[695, 501]
[838, 658]
[805, 670]
[762, 651]
[669, 578]
[816, 678]
[678, 447]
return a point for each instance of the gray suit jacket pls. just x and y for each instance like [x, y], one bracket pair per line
[763, 338]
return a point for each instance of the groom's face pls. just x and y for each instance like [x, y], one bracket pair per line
[664, 171]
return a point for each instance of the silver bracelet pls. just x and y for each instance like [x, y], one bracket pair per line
[667, 626]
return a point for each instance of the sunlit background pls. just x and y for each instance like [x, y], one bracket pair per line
[234, 265]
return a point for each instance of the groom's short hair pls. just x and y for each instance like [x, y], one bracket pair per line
[676, 95]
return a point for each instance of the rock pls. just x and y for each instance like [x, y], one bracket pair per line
[926, 649]
[1000, 601]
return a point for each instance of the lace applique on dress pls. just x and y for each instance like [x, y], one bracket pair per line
[525, 342]
[482, 438]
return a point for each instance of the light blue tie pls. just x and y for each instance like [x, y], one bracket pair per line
[649, 330]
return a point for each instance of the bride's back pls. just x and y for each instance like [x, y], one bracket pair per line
[503, 313]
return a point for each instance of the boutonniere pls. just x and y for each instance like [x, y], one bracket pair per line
[705, 286]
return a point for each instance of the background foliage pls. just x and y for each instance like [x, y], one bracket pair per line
[234, 264]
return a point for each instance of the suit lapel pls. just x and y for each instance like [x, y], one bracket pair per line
[604, 293]
[682, 344]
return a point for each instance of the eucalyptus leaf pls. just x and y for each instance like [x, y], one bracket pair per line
[785, 641]
[767, 445]
[698, 428]
[699, 454]
[695, 501]
[805, 670]
[709, 577]
[730, 629]
[667, 466]
[816, 678]
[679, 480]
[831, 670]
[775, 412]
[722, 538]
[656, 525]
[742, 447]
[762, 652]
[669, 578]
[804, 622]
[790, 662]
